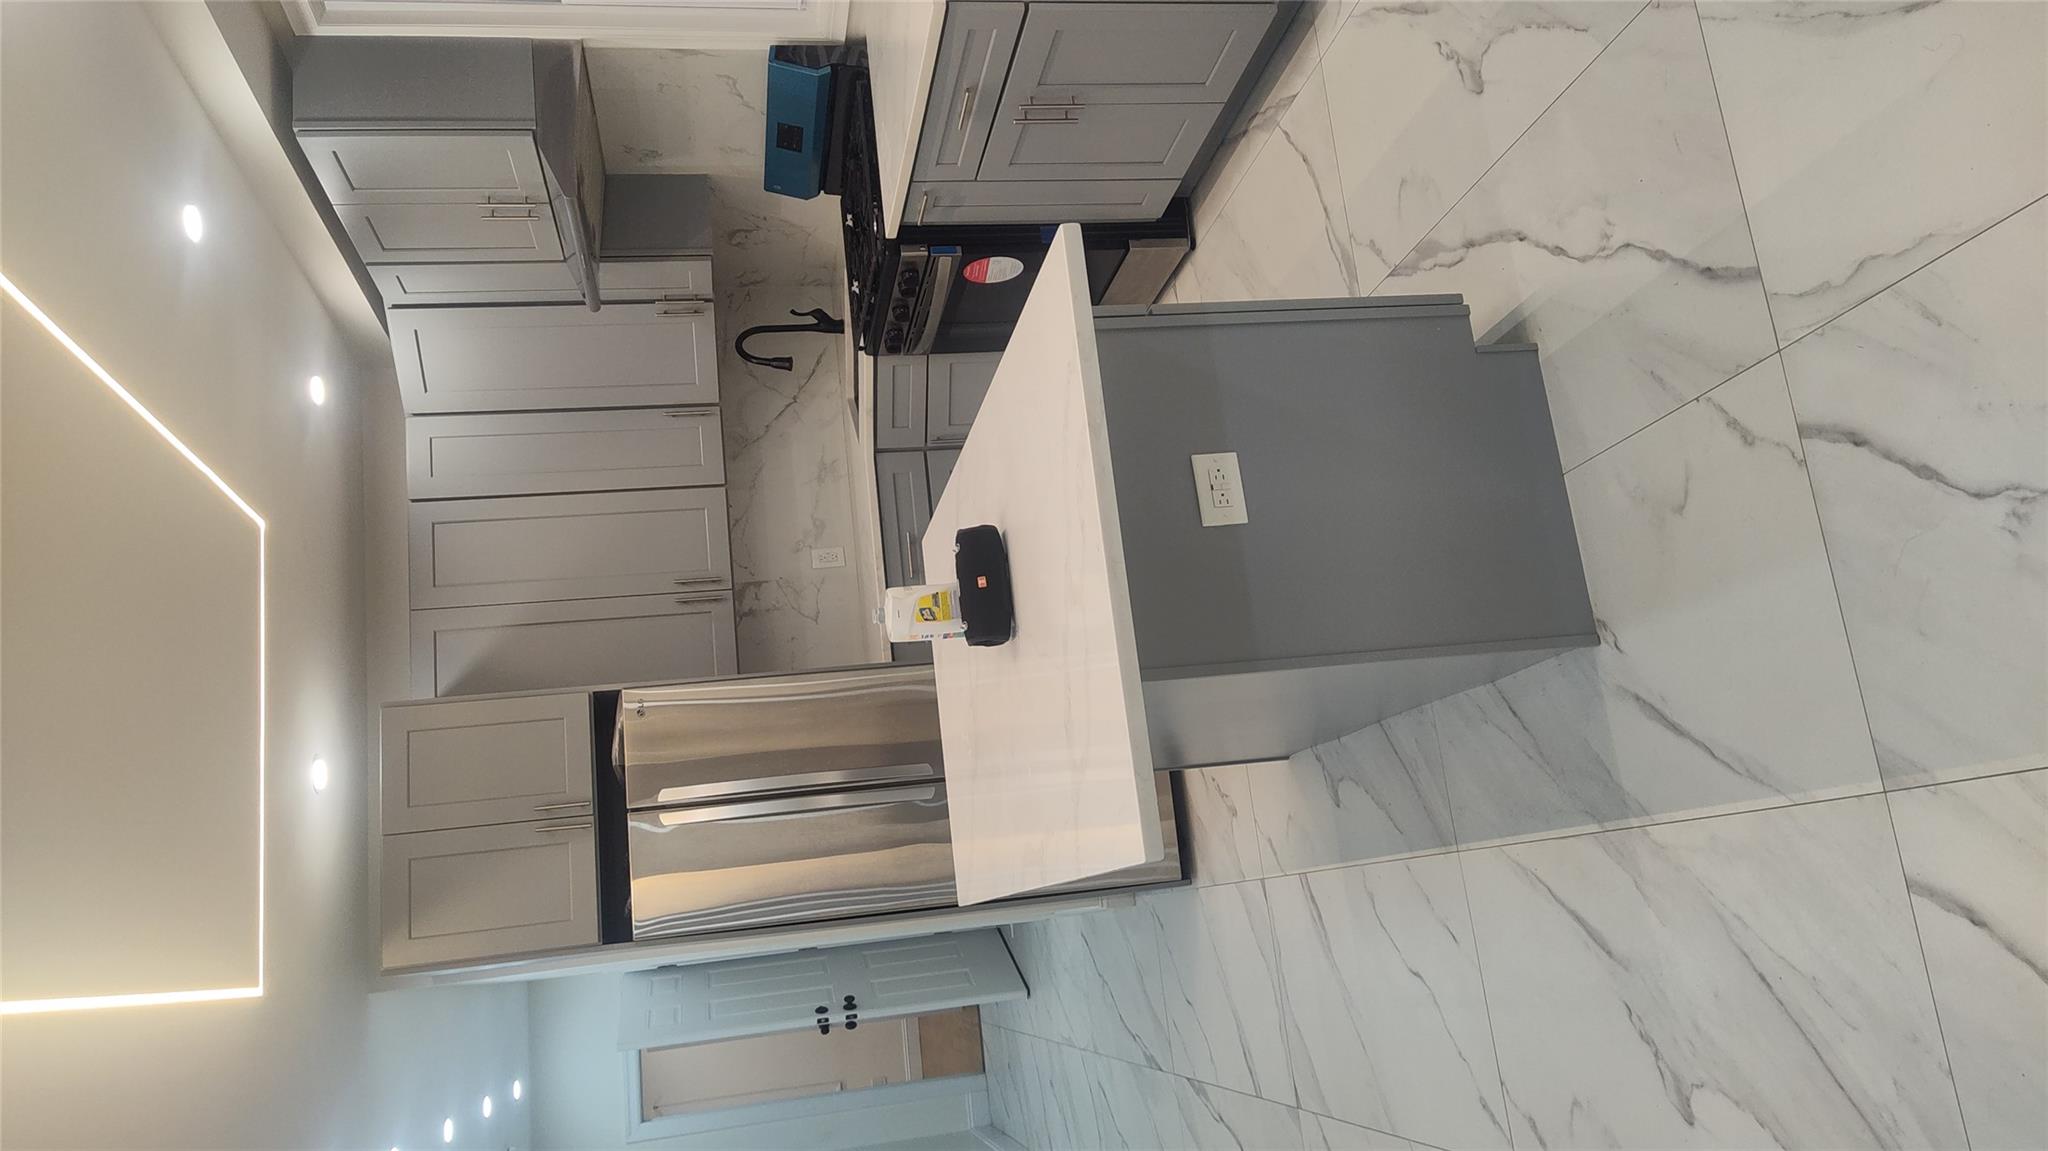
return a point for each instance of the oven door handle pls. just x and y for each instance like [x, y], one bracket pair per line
[939, 281]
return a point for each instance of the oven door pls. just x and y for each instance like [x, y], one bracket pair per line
[977, 291]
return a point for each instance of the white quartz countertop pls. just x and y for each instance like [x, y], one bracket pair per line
[902, 38]
[1048, 760]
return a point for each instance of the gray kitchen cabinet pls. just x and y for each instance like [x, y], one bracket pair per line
[469, 168]
[477, 893]
[1009, 201]
[966, 89]
[906, 506]
[954, 386]
[451, 233]
[539, 282]
[527, 549]
[554, 356]
[1106, 53]
[938, 467]
[474, 762]
[1098, 142]
[537, 453]
[900, 402]
[574, 643]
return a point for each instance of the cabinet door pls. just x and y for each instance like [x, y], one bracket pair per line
[906, 503]
[473, 762]
[1093, 53]
[955, 384]
[1098, 142]
[522, 453]
[578, 643]
[450, 233]
[378, 167]
[899, 401]
[966, 88]
[480, 893]
[1035, 201]
[533, 548]
[938, 467]
[540, 282]
[546, 357]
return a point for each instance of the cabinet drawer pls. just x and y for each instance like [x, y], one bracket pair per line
[1034, 201]
[441, 233]
[425, 167]
[966, 88]
[899, 402]
[578, 643]
[542, 357]
[1098, 142]
[534, 548]
[954, 386]
[479, 893]
[537, 282]
[904, 493]
[474, 762]
[523, 453]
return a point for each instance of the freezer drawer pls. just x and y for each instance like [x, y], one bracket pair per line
[789, 859]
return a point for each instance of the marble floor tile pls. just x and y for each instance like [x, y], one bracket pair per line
[1180, 1113]
[1746, 981]
[1374, 794]
[1611, 235]
[1976, 856]
[1219, 981]
[1386, 1016]
[1723, 677]
[1871, 138]
[1424, 97]
[1094, 982]
[1044, 1095]
[1924, 415]
[1272, 94]
[1322, 1133]
[1282, 234]
[1222, 832]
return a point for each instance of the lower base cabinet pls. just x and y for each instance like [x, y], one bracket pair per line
[572, 643]
[478, 893]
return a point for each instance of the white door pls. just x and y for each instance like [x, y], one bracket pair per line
[574, 643]
[426, 167]
[538, 453]
[472, 762]
[828, 987]
[479, 893]
[450, 233]
[526, 549]
[497, 359]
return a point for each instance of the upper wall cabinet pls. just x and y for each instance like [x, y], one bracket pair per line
[1133, 53]
[442, 233]
[427, 167]
[538, 358]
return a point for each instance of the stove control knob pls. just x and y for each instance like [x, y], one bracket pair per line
[892, 341]
[900, 311]
[907, 282]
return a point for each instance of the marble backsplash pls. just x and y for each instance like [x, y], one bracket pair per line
[788, 442]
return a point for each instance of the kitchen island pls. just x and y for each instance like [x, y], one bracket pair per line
[1390, 528]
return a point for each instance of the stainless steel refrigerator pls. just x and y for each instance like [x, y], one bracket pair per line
[792, 798]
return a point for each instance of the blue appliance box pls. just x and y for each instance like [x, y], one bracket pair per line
[799, 119]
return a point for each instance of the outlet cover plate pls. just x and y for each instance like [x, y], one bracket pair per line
[1219, 489]
[828, 558]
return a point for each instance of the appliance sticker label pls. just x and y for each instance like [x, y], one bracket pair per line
[993, 269]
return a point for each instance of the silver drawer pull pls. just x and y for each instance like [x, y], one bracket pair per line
[700, 579]
[924, 201]
[573, 825]
[1061, 119]
[690, 599]
[678, 310]
[680, 413]
[563, 806]
[966, 107]
[527, 215]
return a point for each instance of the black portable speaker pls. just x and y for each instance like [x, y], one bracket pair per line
[982, 565]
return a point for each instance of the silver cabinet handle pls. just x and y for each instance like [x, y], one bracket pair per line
[700, 579]
[690, 599]
[572, 825]
[491, 213]
[923, 201]
[679, 413]
[661, 309]
[966, 106]
[913, 555]
[563, 806]
[1060, 119]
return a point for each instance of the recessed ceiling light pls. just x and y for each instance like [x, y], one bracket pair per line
[316, 390]
[487, 1107]
[319, 774]
[448, 1130]
[195, 224]
[518, 1090]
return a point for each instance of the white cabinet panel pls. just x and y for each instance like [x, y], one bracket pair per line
[545, 357]
[383, 167]
[1029, 201]
[531, 548]
[443, 233]
[542, 646]
[521, 453]
[966, 88]
[899, 401]
[479, 893]
[472, 762]
[1098, 142]
[541, 282]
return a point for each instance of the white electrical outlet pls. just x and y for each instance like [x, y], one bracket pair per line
[828, 557]
[1219, 489]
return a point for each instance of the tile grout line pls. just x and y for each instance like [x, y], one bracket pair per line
[1926, 972]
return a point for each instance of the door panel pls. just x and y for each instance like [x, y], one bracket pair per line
[426, 167]
[955, 384]
[444, 233]
[540, 282]
[469, 763]
[1095, 53]
[522, 453]
[532, 548]
[549, 357]
[906, 504]
[1098, 142]
[966, 88]
[899, 402]
[1035, 201]
[579, 643]
[479, 893]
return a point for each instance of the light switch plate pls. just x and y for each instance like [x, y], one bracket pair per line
[1219, 489]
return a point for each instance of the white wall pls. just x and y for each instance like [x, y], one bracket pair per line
[101, 141]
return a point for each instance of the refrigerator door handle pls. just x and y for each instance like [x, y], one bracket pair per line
[794, 805]
[844, 777]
